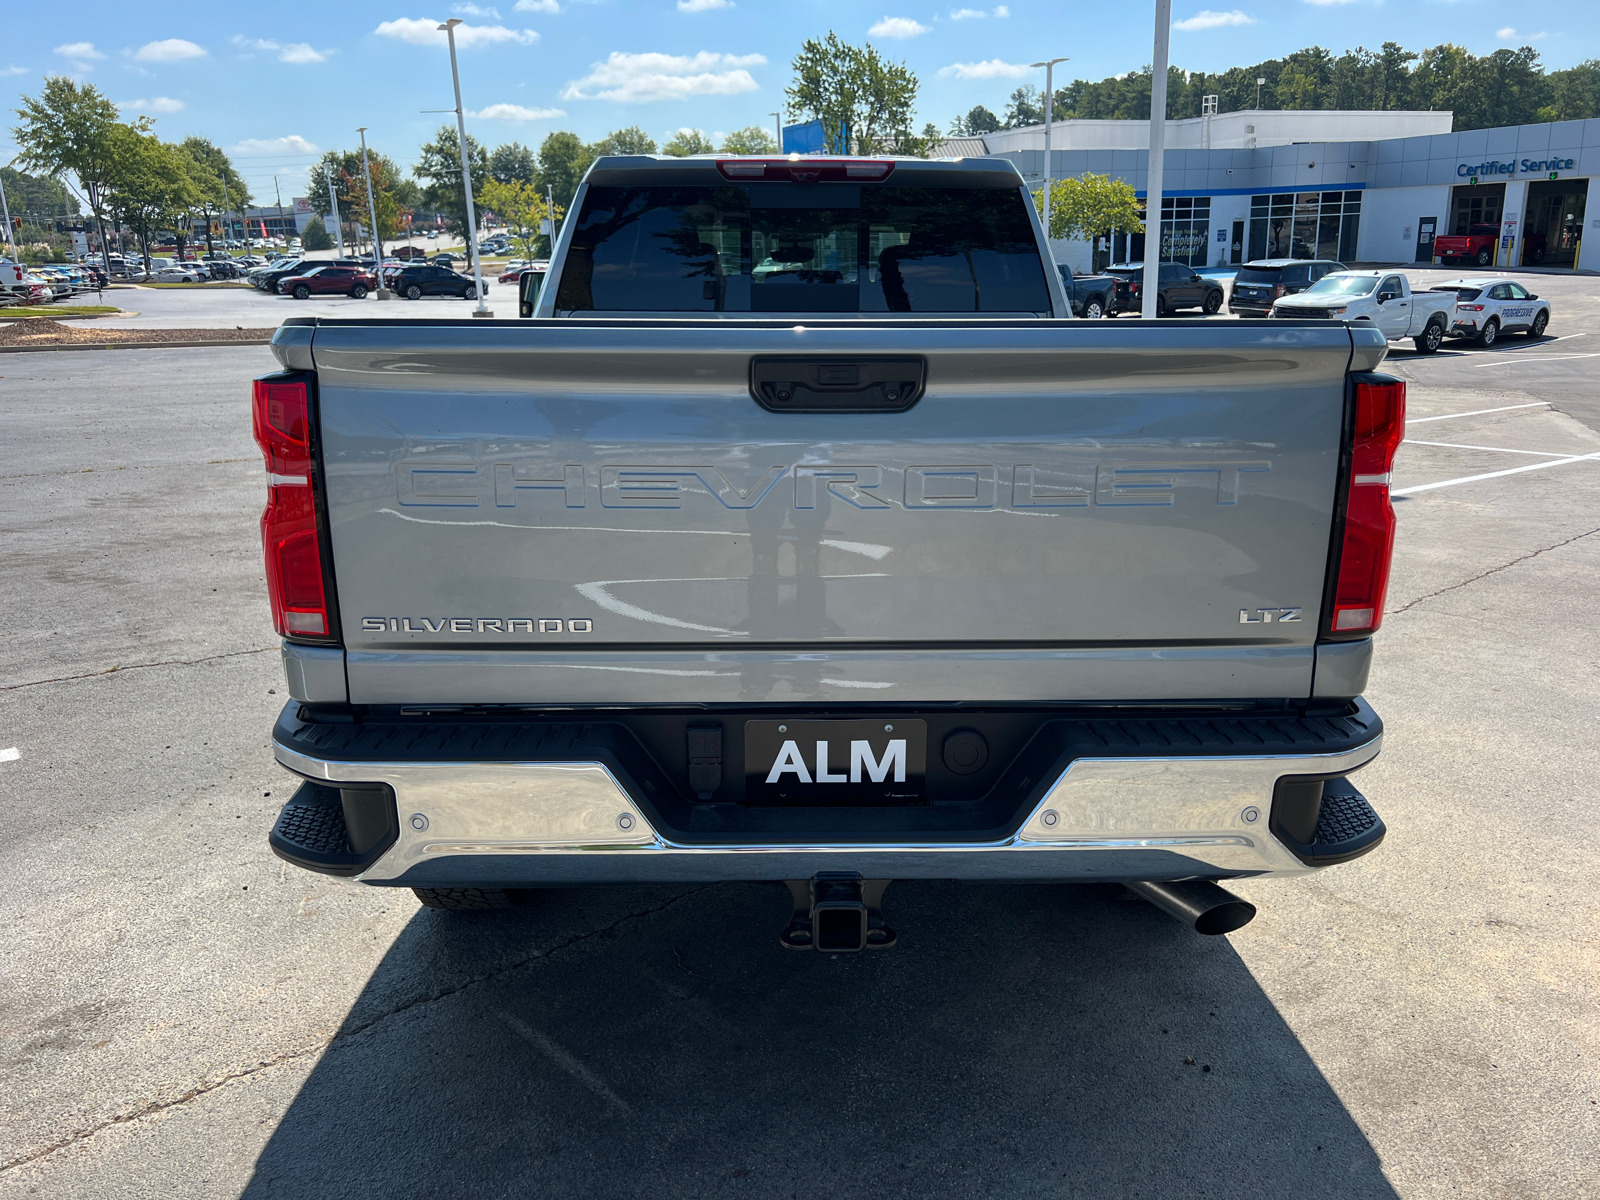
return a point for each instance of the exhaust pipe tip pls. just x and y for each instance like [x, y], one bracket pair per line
[1199, 904]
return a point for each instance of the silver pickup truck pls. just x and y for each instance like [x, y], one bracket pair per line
[800, 534]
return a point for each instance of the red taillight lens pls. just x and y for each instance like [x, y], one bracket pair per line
[1369, 521]
[289, 523]
[1278, 289]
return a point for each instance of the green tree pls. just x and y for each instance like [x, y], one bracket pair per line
[563, 158]
[1575, 93]
[864, 101]
[513, 161]
[218, 187]
[153, 188]
[316, 235]
[978, 121]
[1090, 206]
[523, 207]
[73, 129]
[631, 140]
[392, 193]
[37, 197]
[686, 142]
[439, 169]
[752, 139]
[1026, 107]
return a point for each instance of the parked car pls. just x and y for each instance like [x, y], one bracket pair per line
[516, 267]
[266, 278]
[1486, 308]
[1178, 287]
[1156, 591]
[433, 235]
[1383, 299]
[415, 282]
[176, 274]
[1090, 294]
[411, 253]
[1259, 283]
[1476, 245]
[327, 281]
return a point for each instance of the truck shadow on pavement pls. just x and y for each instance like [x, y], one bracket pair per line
[1020, 1040]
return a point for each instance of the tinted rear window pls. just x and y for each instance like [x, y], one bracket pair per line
[776, 247]
[1267, 275]
[1462, 293]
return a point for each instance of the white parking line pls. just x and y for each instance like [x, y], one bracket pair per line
[1539, 345]
[1477, 412]
[1444, 483]
[10, 754]
[1496, 449]
[1541, 358]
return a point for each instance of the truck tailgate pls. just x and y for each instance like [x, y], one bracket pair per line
[594, 511]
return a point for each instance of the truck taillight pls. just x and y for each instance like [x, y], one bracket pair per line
[289, 537]
[794, 169]
[1369, 522]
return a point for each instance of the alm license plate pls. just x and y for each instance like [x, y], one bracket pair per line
[882, 761]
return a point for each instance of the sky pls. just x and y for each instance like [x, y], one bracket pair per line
[276, 85]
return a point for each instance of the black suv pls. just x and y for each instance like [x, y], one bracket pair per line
[415, 282]
[1259, 283]
[1177, 286]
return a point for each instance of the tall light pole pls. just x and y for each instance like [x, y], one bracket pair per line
[1158, 147]
[449, 28]
[1049, 96]
[333, 205]
[777, 124]
[1259, 82]
[372, 211]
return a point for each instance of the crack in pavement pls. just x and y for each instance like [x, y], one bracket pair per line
[210, 462]
[171, 662]
[1491, 571]
[344, 1034]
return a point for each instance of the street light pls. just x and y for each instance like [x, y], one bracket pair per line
[1259, 82]
[777, 123]
[1158, 146]
[372, 211]
[1049, 95]
[449, 28]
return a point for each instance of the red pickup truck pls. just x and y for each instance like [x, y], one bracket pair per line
[1474, 246]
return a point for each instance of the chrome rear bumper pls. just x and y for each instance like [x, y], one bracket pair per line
[505, 823]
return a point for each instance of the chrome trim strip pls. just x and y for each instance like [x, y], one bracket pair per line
[1199, 807]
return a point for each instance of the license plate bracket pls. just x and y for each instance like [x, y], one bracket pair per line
[876, 762]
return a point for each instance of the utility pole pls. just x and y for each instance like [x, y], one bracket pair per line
[1158, 147]
[333, 205]
[372, 211]
[11, 236]
[277, 195]
[1049, 97]
[483, 310]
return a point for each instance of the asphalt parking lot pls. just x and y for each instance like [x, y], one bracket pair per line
[184, 1016]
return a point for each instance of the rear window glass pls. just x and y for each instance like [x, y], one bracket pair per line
[1462, 293]
[1258, 275]
[776, 247]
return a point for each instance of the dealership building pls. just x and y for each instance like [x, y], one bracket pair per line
[1354, 186]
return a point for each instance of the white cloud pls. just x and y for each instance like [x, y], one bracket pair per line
[1001, 10]
[292, 52]
[1206, 19]
[1508, 34]
[515, 112]
[538, 6]
[694, 6]
[1326, 3]
[897, 27]
[421, 31]
[79, 50]
[263, 147]
[977, 14]
[156, 104]
[472, 10]
[168, 50]
[633, 78]
[14, 71]
[995, 68]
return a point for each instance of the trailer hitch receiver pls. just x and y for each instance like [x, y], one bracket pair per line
[837, 912]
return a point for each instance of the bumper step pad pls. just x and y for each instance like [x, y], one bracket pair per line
[314, 829]
[1347, 827]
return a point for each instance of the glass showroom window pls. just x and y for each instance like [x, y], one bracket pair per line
[1305, 225]
[1185, 229]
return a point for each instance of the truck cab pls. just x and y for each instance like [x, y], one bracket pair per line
[1381, 299]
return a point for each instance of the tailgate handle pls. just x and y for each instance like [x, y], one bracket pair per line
[834, 384]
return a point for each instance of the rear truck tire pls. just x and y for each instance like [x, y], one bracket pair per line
[1431, 337]
[471, 899]
[302, 292]
[1161, 305]
[1483, 257]
[1213, 304]
[1536, 330]
[359, 292]
[413, 292]
[1490, 332]
[1094, 309]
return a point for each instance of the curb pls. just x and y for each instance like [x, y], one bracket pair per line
[133, 346]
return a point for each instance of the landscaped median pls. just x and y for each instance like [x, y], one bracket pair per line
[45, 334]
